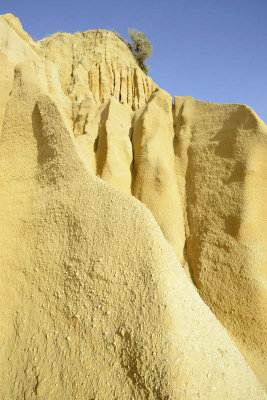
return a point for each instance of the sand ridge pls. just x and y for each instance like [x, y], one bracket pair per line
[94, 302]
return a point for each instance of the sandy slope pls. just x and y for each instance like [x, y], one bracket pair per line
[94, 304]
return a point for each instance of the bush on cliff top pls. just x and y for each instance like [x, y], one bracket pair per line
[141, 47]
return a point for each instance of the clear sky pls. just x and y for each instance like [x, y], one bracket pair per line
[213, 50]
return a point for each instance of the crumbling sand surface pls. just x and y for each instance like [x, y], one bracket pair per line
[94, 303]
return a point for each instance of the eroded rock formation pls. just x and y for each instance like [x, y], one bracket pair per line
[94, 301]
[97, 65]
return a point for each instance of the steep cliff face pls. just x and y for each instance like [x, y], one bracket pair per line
[225, 183]
[97, 64]
[200, 169]
[16, 46]
[94, 302]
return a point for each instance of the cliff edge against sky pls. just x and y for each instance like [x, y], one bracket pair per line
[133, 230]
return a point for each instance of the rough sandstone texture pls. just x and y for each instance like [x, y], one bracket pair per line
[94, 303]
[97, 64]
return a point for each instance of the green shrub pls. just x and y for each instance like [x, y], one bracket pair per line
[141, 48]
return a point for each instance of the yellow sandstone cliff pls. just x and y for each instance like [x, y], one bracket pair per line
[94, 301]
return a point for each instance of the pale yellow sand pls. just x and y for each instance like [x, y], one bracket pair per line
[94, 303]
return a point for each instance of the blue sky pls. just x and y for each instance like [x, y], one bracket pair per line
[213, 50]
